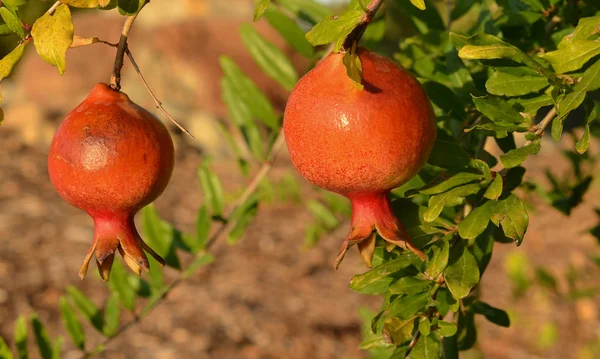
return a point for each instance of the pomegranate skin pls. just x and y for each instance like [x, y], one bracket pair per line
[361, 144]
[110, 157]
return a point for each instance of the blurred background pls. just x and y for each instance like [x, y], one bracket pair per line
[272, 295]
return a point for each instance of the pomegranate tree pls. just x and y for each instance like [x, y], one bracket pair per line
[361, 143]
[110, 157]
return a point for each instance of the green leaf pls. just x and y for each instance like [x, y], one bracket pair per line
[14, 3]
[290, 31]
[353, 68]
[86, 307]
[425, 326]
[57, 348]
[446, 329]
[237, 152]
[5, 352]
[437, 202]
[203, 224]
[241, 116]
[242, 217]
[587, 27]
[379, 279]
[517, 156]
[531, 105]
[582, 145]
[52, 36]
[112, 315]
[428, 347]
[120, 284]
[407, 306]
[260, 9]
[438, 258]
[86, 4]
[437, 187]
[9, 61]
[246, 89]
[201, 261]
[12, 21]
[419, 4]
[334, 29]
[322, 214]
[494, 315]
[20, 333]
[157, 280]
[409, 286]
[497, 110]
[545, 278]
[573, 56]
[505, 84]
[446, 302]
[397, 330]
[511, 214]
[483, 247]
[211, 188]
[495, 189]
[41, 337]
[309, 10]
[130, 7]
[476, 221]
[462, 273]
[269, 57]
[72, 324]
[448, 154]
[160, 236]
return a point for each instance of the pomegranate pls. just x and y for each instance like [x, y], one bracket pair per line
[361, 143]
[110, 157]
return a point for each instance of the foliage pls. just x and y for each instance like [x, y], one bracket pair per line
[494, 71]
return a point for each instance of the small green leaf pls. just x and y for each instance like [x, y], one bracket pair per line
[72, 324]
[20, 333]
[425, 326]
[419, 4]
[260, 9]
[438, 258]
[497, 110]
[14, 3]
[407, 306]
[428, 347]
[409, 286]
[462, 273]
[476, 221]
[379, 279]
[495, 189]
[41, 337]
[9, 61]
[120, 284]
[446, 329]
[290, 31]
[112, 315]
[511, 214]
[57, 348]
[446, 302]
[494, 315]
[545, 278]
[5, 352]
[582, 145]
[52, 36]
[12, 21]
[309, 10]
[505, 84]
[203, 224]
[397, 330]
[160, 236]
[573, 56]
[517, 156]
[241, 219]
[437, 202]
[86, 307]
[211, 188]
[269, 57]
[201, 261]
[457, 180]
[353, 68]
[334, 29]
[130, 7]
[531, 105]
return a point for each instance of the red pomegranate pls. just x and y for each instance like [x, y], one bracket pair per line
[361, 144]
[110, 157]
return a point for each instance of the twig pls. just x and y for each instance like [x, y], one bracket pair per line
[540, 127]
[366, 18]
[223, 229]
[79, 41]
[115, 79]
[156, 101]
[413, 342]
[53, 7]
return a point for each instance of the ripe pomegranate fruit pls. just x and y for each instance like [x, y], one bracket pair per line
[110, 157]
[361, 144]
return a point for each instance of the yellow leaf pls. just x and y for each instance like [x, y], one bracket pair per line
[420, 4]
[52, 36]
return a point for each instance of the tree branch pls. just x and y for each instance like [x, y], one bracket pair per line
[367, 17]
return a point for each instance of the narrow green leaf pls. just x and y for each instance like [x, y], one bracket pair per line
[573, 56]
[57, 348]
[425, 326]
[203, 224]
[246, 89]
[41, 337]
[14, 3]
[483, 248]
[20, 333]
[476, 221]
[457, 180]
[201, 261]
[309, 10]
[72, 324]
[5, 352]
[419, 4]
[511, 214]
[211, 188]
[409, 286]
[120, 284]
[505, 84]
[86, 307]
[438, 258]
[52, 36]
[545, 278]
[334, 29]
[428, 347]
[12, 21]
[269, 57]
[495, 189]
[379, 279]
[112, 315]
[9, 61]
[353, 68]
[130, 7]
[437, 202]
[290, 31]
[160, 236]
[242, 217]
[406, 307]
[446, 329]
[260, 9]
[494, 315]
[322, 214]
[462, 273]
[497, 110]
[582, 145]
[517, 156]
